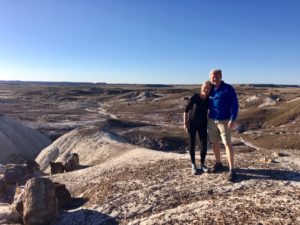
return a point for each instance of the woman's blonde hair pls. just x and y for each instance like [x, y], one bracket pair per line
[207, 82]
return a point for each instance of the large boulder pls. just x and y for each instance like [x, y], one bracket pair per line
[17, 204]
[71, 162]
[39, 202]
[62, 195]
[18, 142]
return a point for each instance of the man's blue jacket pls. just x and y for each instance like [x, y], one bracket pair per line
[223, 103]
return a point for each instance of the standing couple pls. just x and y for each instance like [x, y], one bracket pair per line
[219, 100]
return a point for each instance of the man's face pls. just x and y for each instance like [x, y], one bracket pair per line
[216, 79]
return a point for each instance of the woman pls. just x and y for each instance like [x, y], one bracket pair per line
[195, 120]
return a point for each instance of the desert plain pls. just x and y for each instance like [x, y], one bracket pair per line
[133, 151]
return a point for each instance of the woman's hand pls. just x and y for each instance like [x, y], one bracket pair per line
[184, 126]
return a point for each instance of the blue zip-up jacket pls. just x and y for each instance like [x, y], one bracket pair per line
[223, 103]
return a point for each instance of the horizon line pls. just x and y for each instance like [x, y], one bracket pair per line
[97, 83]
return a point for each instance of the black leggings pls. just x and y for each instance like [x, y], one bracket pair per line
[202, 132]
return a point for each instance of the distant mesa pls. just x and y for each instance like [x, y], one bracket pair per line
[147, 95]
[18, 142]
[139, 96]
[50, 83]
[271, 85]
[157, 85]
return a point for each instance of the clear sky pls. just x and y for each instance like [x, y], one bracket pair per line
[150, 41]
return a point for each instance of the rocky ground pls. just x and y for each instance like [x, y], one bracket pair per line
[150, 187]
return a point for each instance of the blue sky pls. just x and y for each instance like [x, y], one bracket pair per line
[150, 41]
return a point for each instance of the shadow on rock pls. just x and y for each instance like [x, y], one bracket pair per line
[75, 203]
[81, 167]
[269, 174]
[85, 216]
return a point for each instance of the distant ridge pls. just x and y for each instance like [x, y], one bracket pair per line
[158, 85]
[271, 85]
[69, 83]
[49, 83]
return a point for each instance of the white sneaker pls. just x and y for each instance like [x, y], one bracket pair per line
[194, 169]
[205, 169]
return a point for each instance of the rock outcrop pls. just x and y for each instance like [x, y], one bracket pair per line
[18, 142]
[71, 162]
[39, 202]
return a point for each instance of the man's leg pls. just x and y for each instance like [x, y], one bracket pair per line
[214, 137]
[230, 155]
[216, 149]
[226, 138]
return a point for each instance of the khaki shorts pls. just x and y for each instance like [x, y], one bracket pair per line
[217, 130]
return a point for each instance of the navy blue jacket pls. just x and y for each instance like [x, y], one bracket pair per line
[223, 103]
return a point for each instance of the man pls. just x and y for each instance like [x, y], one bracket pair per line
[195, 121]
[223, 111]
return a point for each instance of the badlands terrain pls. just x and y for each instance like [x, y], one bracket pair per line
[134, 165]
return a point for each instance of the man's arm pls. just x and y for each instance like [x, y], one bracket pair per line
[234, 108]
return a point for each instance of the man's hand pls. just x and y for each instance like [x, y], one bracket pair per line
[230, 125]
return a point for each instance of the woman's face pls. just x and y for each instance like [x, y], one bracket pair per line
[205, 89]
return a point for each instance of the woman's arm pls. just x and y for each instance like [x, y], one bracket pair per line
[185, 120]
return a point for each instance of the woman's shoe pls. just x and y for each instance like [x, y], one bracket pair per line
[194, 169]
[205, 169]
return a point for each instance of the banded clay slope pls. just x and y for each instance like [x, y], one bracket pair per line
[94, 144]
[272, 128]
[18, 142]
[143, 186]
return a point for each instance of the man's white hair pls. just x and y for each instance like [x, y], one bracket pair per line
[216, 71]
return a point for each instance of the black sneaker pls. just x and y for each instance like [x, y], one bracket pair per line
[218, 167]
[231, 176]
